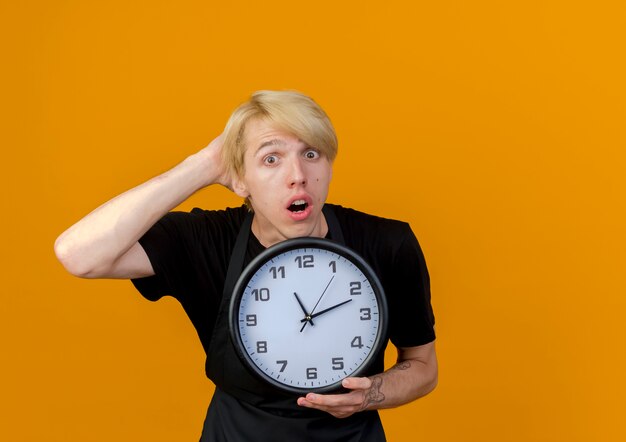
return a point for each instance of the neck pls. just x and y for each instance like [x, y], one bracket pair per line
[270, 235]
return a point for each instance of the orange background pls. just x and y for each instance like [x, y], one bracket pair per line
[497, 129]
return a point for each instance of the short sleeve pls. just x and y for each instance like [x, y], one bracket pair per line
[168, 245]
[412, 320]
[189, 253]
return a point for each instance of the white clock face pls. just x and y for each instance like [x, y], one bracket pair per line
[309, 317]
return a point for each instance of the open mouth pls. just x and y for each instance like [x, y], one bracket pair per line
[298, 206]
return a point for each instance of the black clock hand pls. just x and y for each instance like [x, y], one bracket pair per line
[318, 301]
[325, 310]
[307, 316]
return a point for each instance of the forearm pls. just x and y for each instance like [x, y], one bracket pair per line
[91, 246]
[403, 383]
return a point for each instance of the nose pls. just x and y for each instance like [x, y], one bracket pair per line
[297, 175]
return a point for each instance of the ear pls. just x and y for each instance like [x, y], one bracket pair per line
[240, 188]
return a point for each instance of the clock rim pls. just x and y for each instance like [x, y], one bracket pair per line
[285, 246]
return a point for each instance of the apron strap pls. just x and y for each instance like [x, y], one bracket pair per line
[333, 224]
[235, 266]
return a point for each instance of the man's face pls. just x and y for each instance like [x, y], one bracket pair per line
[286, 181]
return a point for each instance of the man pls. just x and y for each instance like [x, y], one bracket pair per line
[276, 152]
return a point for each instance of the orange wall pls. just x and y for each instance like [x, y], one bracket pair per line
[497, 129]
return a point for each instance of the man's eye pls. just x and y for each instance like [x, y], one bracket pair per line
[270, 159]
[311, 154]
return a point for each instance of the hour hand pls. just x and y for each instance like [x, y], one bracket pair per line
[307, 315]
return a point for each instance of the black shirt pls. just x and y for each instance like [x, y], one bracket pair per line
[190, 253]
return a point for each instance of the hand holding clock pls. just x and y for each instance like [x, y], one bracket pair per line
[413, 376]
[363, 393]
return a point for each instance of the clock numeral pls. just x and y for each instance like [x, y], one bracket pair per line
[366, 314]
[357, 342]
[261, 346]
[277, 271]
[333, 265]
[283, 364]
[337, 363]
[311, 373]
[355, 288]
[305, 261]
[261, 294]
[251, 320]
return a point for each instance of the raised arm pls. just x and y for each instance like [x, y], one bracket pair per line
[104, 244]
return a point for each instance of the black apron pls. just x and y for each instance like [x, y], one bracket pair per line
[243, 407]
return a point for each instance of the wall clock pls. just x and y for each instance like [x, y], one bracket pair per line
[307, 313]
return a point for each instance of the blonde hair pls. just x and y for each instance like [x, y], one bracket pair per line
[290, 111]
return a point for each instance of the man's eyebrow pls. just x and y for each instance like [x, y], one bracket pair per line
[272, 142]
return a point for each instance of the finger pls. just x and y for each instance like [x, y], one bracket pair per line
[340, 406]
[351, 398]
[357, 383]
[325, 401]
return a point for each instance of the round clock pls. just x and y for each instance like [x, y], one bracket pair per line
[307, 313]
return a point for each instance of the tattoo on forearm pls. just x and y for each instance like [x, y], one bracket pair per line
[404, 365]
[374, 395]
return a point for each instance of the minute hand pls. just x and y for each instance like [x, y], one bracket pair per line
[315, 315]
